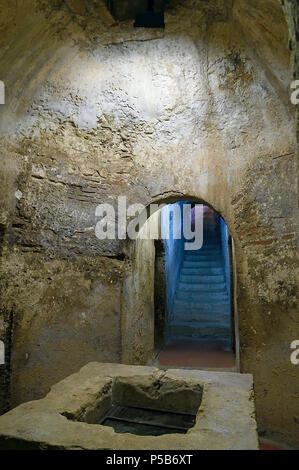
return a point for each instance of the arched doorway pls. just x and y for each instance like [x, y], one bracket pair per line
[194, 305]
[152, 288]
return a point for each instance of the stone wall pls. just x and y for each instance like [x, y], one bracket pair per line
[160, 333]
[171, 223]
[96, 109]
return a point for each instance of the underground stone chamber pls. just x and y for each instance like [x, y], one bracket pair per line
[183, 287]
[96, 109]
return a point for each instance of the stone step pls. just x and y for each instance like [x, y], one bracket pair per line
[211, 271]
[201, 296]
[203, 259]
[215, 306]
[215, 244]
[202, 256]
[199, 317]
[202, 312]
[202, 264]
[194, 279]
[201, 287]
[185, 329]
[203, 251]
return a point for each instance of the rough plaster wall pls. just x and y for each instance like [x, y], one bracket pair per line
[138, 316]
[291, 10]
[96, 109]
[160, 295]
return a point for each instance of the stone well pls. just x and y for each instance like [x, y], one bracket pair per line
[68, 417]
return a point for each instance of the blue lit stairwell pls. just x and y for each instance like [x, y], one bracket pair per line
[201, 302]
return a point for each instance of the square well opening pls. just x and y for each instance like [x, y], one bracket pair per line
[145, 407]
[147, 421]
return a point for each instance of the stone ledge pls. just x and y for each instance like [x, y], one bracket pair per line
[225, 418]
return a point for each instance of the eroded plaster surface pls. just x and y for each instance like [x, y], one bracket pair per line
[96, 109]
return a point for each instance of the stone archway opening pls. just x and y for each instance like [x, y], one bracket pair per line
[179, 300]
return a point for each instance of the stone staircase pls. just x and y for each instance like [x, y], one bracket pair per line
[201, 306]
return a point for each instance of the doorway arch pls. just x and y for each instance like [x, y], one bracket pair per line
[138, 307]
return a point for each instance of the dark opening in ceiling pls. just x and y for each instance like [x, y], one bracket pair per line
[123, 10]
